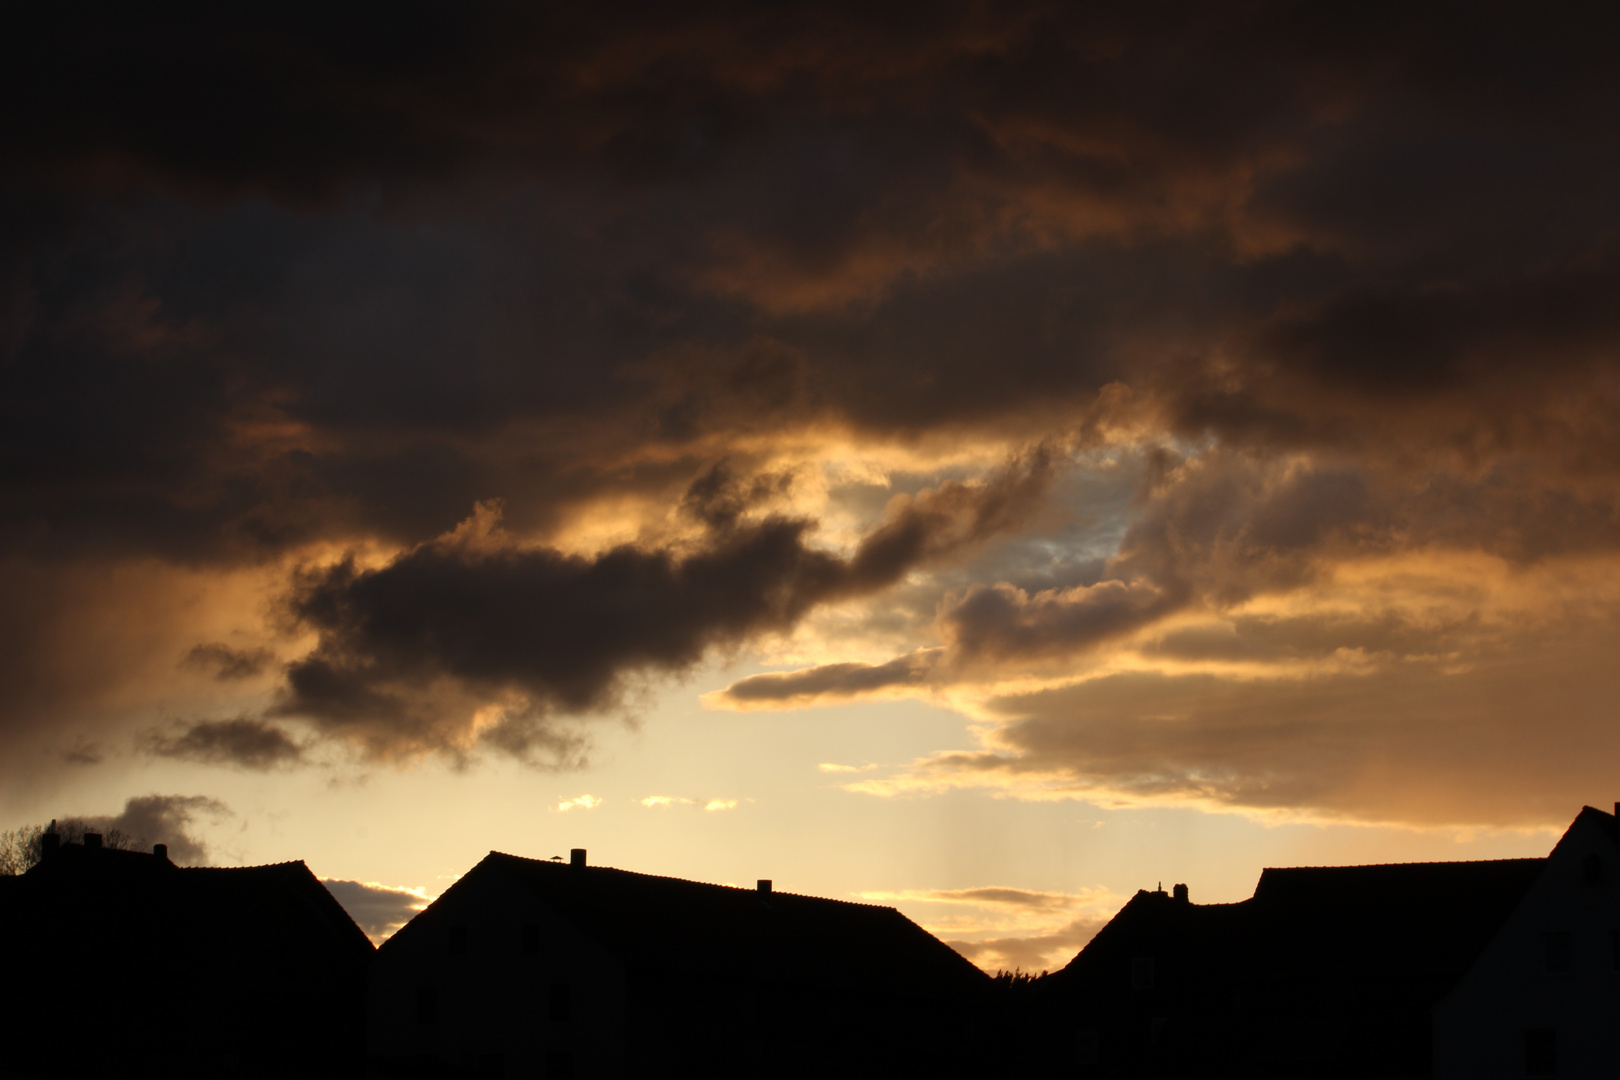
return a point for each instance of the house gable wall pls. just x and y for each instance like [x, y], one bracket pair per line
[491, 980]
[1480, 1026]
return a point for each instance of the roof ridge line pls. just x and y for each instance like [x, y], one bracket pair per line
[689, 881]
[1431, 862]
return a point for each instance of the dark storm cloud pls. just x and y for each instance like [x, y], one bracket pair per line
[247, 742]
[1435, 369]
[912, 671]
[1003, 622]
[985, 628]
[283, 280]
[1213, 532]
[649, 228]
[489, 618]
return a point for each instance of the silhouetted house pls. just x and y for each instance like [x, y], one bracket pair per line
[1324, 972]
[1543, 997]
[120, 963]
[544, 969]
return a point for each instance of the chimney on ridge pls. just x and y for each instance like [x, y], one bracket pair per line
[161, 851]
[764, 888]
[1180, 893]
[576, 856]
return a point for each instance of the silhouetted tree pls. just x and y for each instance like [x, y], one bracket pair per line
[20, 847]
[1017, 983]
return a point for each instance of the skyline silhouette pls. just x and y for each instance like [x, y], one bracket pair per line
[560, 969]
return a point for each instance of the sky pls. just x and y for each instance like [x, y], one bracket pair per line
[980, 458]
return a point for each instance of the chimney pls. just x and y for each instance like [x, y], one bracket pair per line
[49, 843]
[576, 857]
[1180, 893]
[92, 841]
[1617, 809]
[764, 888]
[161, 851]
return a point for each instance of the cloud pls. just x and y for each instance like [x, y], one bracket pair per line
[1328, 288]
[1009, 928]
[664, 802]
[244, 741]
[828, 681]
[85, 752]
[1002, 621]
[1311, 732]
[581, 802]
[409, 651]
[152, 819]
[228, 664]
[988, 896]
[1337, 641]
[1034, 953]
[378, 909]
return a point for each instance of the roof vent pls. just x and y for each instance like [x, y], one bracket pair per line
[576, 856]
[92, 841]
[1179, 892]
[764, 887]
[161, 851]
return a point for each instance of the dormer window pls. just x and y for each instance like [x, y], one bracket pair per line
[427, 1006]
[1557, 952]
[562, 1004]
[1085, 1046]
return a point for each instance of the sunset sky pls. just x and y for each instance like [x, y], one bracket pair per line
[981, 458]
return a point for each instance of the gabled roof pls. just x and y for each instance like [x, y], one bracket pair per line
[1392, 884]
[204, 899]
[1371, 920]
[1607, 824]
[1358, 921]
[242, 965]
[669, 924]
[1323, 968]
